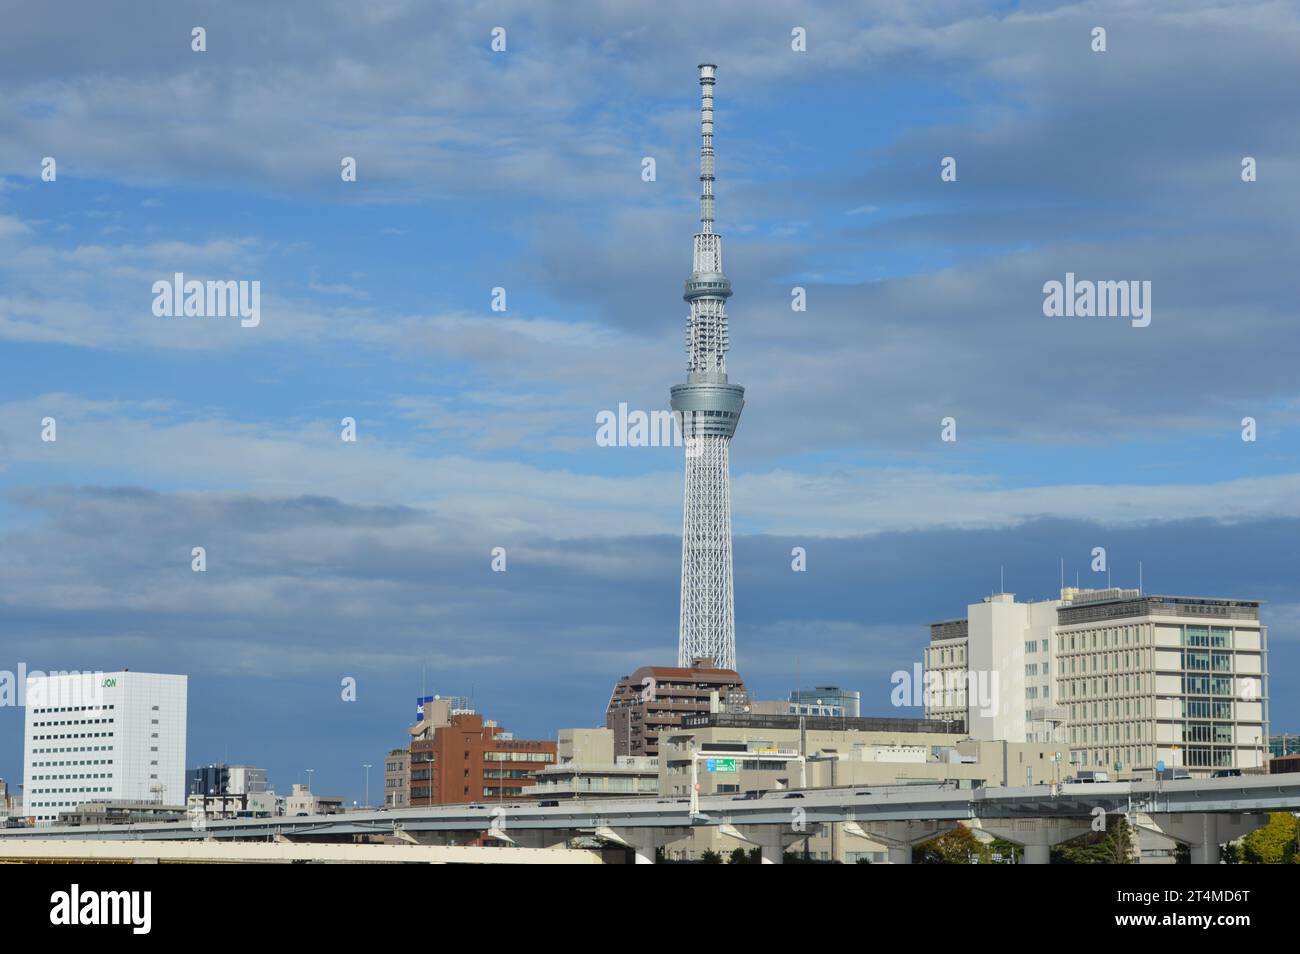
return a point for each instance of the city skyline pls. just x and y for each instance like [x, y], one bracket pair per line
[479, 170]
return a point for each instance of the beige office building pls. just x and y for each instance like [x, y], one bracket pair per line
[1178, 680]
[1121, 681]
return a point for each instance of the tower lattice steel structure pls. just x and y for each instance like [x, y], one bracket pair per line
[709, 409]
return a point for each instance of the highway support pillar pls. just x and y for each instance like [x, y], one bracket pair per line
[1035, 835]
[771, 840]
[642, 841]
[898, 836]
[1202, 832]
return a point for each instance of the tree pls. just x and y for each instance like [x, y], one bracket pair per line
[1114, 846]
[1009, 852]
[954, 847]
[710, 857]
[1117, 843]
[1274, 844]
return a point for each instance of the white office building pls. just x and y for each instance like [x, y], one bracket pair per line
[96, 737]
[1122, 681]
[994, 669]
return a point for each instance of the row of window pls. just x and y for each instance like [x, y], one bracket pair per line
[1133, 732]
[517, 756]
[74, 762]
[1122, 636]
[1195, 756]
[1126, 756]
[1207, 685]
[1075, 688]
[1210, 637]
[41, 725]
[1106, 662]
[1083, 711]
[70, 791]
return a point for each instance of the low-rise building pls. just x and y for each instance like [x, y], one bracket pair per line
[826, 701]
[302, 801]
[746, 754]
[397, 778]
[242, 805]
[588, 768]
[1284, 763]
[737, 753]
[119, 812]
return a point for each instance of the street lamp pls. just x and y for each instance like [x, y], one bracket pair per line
[366, 765]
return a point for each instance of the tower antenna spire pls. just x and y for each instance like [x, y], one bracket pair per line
[708, 74]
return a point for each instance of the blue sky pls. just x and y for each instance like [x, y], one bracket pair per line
[476, 428]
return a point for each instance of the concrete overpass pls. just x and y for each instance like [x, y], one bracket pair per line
[1200, 813]
[157, 851]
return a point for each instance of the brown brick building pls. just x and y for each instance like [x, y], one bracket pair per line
[469, 760]
[655, 698]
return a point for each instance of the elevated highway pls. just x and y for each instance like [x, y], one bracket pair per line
[1201, 813]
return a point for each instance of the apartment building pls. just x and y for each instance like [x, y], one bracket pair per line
[654, 699]
[471, 759]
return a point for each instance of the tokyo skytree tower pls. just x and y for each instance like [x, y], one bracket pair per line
[709, 409]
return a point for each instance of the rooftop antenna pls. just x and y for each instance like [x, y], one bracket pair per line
[1062, 572]
[1002, 579]
[1140, 592]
